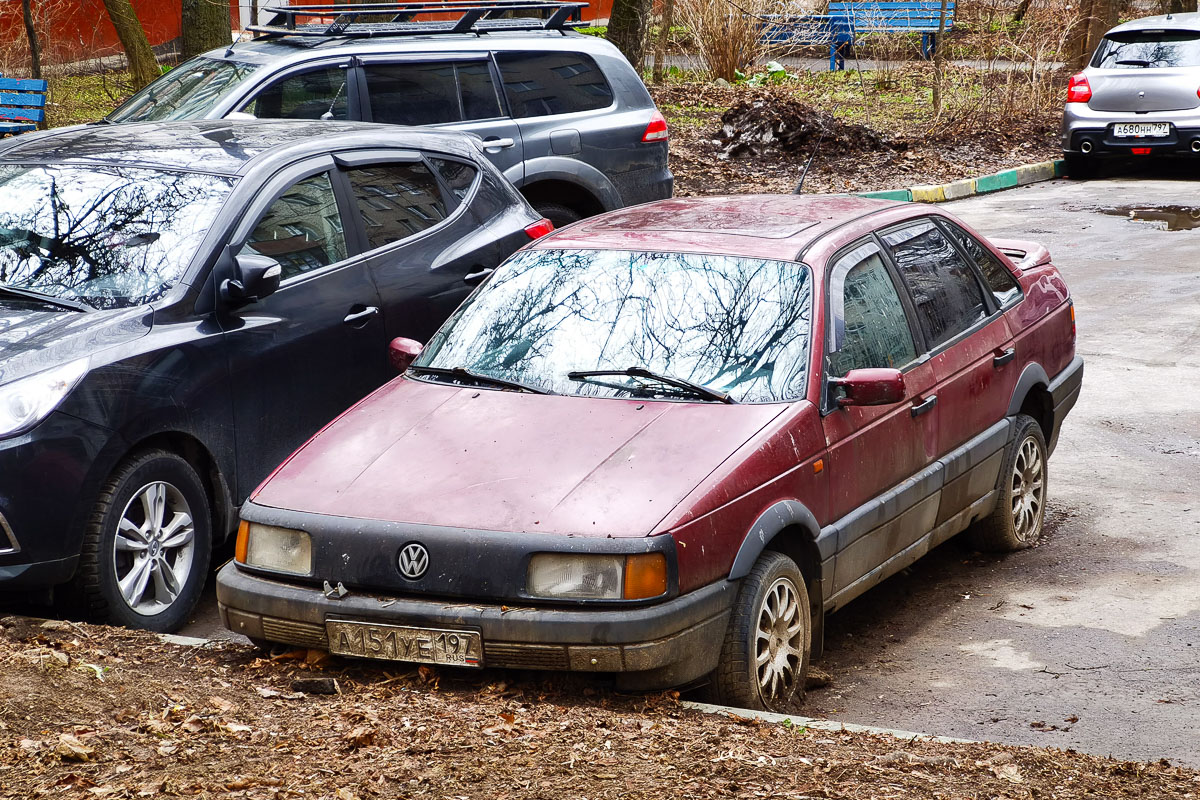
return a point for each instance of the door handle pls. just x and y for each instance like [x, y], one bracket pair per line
[927, 405]
[1005, 357]
[360, 316]
[494, 144]
[476, 277]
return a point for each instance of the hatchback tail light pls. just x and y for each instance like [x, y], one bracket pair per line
[539, 229]
[1078, 89]
[656, 131]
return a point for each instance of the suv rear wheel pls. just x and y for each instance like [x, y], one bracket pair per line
[557, 213]
[1016, 522]
[765, 654]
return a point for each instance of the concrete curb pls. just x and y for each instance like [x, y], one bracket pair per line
[956, 190]
[820, 724]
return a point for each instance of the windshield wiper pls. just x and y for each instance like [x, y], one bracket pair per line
[478, 377]
[1135, 62]
[641, 372]
[49, 299]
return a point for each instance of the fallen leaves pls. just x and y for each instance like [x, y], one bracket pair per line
[71, 748]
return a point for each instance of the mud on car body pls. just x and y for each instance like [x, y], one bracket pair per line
[664, 442]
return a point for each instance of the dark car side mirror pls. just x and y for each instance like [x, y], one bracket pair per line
[403, 352]
[257, 277]
[871, 387]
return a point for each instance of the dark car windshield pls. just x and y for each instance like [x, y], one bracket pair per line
[109, 236]
[1148, 48]
[739, 326]
[189, 91]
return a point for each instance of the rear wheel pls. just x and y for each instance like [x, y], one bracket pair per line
[557, 213]
[1016, 522]
[765, 654]
[1078, 166]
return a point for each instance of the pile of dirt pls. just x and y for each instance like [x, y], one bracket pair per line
[780, 124]
[95, 712]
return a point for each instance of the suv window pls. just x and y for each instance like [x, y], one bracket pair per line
[396, 201]
[1002, 283]
[944, 289]
[870, 326]
[302, 229]
[539, 84]
[419, 93]
[309, 95]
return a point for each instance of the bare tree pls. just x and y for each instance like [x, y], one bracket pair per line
[628, 28]
[204, 25]
[1180, 6]
[143, 67]
[664, 34]
[35, 46]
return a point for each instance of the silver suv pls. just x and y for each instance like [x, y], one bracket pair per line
[1138, 96]
[568, 120]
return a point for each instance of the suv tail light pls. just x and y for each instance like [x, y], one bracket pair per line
[1078, 89]
[656, 131]
[539, 229]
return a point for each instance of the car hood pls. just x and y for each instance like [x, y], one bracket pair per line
[33, 338]
[418, 452]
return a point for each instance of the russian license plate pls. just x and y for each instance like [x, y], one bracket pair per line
[1141, 129]
[400, 643]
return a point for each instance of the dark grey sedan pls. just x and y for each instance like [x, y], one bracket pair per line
[182, 304]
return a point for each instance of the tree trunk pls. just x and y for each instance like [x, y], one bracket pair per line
[627, 28]
[143, 67]
[1181, 6]
[937, 60]
[664, 34]
[205, 25]
[1021, 10]
[35, 47]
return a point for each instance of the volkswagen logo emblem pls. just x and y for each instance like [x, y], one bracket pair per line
[413, 561]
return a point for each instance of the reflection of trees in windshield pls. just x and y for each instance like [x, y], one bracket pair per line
[110, 237]
[738, 325]
[187, 92]
[1149, 49]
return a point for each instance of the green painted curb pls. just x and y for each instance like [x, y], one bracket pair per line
[956, 190]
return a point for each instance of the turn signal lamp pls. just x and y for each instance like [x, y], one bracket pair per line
[645, 576]
[1078, 89]
[243, 541]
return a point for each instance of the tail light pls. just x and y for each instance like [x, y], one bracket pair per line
[656, 131]
[1140, 151]
[1078, 89]
[539, 229]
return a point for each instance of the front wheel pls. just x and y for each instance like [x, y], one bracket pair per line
[147, 545]
[1016, 522]
[765, 654]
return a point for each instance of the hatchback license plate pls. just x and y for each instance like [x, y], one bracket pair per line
[1140, 130]
[400, 643]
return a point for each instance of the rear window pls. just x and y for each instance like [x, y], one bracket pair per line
[431, 93]
[1148, 48]
[540, 84]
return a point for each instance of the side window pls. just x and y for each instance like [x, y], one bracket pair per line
[429, 93]
[539, 84]
[870, 326]
[318, 94]
[396, 201]
[944, 289]
[458, 175]
[1002, 283]
[302, 229]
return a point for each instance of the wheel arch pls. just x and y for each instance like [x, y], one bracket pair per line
[572, 195]
[1032, 397]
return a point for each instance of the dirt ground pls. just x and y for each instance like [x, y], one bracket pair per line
[89, 712]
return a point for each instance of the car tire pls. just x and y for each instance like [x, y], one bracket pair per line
[1016, 522]
[557, 213]
[771, 623]
[1078, 167]
[147, 544]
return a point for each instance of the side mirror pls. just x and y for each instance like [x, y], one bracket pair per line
[257, 277]
[871, 387]
[403, 352]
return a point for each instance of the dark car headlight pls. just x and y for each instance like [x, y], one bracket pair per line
[572, 576]
[27, 401]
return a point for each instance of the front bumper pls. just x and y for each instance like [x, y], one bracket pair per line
[1082, 124]
[657, 646]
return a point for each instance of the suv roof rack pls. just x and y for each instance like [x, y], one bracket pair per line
[396, 19]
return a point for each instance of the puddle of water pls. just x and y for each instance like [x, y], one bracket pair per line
[1163, 218]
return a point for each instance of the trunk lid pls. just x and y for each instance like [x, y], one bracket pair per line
[1142, 90]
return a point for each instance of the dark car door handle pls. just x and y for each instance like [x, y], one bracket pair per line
[476, 277]
[360, 316]
[927, 405]
[1005, 357]
[496, 143]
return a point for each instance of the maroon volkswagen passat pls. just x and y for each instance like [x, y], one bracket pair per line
[664, 442]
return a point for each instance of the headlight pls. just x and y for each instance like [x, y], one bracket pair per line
[26, 402]
[278, 549]
[597, 577]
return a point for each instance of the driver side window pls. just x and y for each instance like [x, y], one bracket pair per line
[870, 326]
[318, 94]
[302, 229]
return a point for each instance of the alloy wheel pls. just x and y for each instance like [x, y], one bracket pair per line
[779, 645]
[153, 548]
[1027, 490]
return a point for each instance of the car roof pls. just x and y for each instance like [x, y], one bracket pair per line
[1186, 22]
[764, 225]
[224, 147]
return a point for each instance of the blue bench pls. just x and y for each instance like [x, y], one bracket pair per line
[845, 21]
[22, 104]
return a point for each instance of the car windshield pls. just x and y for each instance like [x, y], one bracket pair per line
[734, 326]
[107, 236]
[1141, 49]
[187, 92]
